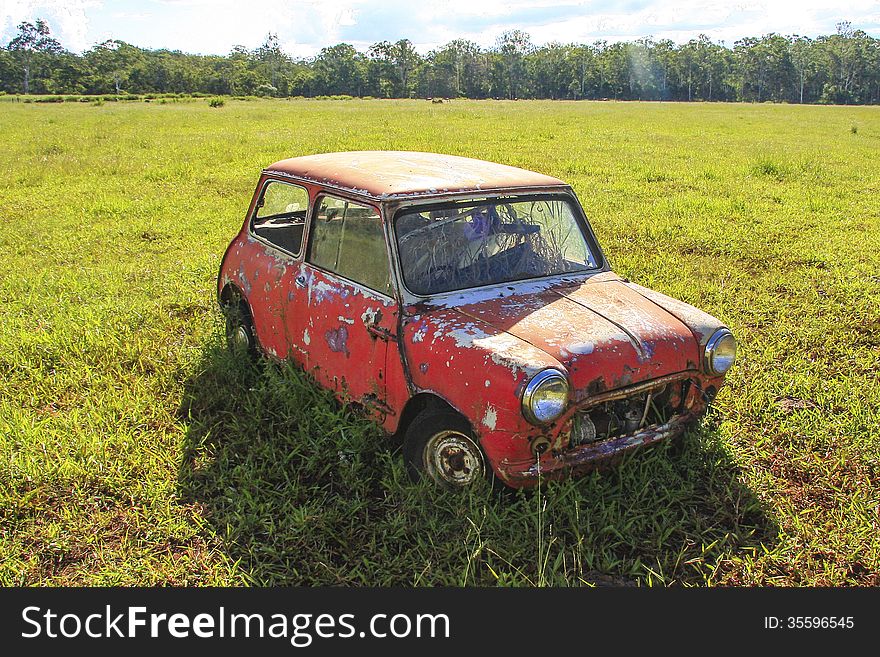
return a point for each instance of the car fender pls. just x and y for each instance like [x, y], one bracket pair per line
[479, 370]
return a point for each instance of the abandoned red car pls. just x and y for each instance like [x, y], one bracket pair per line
[468, 308]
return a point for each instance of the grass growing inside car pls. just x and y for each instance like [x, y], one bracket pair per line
[135, 450]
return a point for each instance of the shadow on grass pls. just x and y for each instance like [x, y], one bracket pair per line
[300, 491]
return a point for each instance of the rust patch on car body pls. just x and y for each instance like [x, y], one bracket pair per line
[701, 324]
[527, 472]
[337, 340]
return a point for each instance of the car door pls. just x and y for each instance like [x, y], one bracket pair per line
[277, 226]
[352, 315]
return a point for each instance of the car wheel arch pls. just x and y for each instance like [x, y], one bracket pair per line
[422, 401]
[230, 293]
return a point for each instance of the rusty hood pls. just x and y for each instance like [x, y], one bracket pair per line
[602, 331]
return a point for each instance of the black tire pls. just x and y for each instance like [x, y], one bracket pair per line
[440, 445]
[240, 335]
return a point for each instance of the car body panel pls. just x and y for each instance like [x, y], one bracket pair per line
[345, 350]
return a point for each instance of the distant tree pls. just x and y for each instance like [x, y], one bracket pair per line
[641, 70]
[613, 64]
[217, 75]
[804, 61]
[67, 74]
[471, 68]
[271, 63]
[437, 75]
[553, 71]
[380, 70]
[32, 40]
[704, 67]
[583, 59]
[112, 63]
[392, 65]
[460, 61]
[8, 71]
[664, 56]
[871, 78]
[846, 57]
[721, 64]
[340, 69]
[688, 66]
[406, 59]
[766, 69]
[239, 75]
[302, 79]
[513, 46]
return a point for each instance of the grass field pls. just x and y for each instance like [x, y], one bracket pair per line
[133, 450]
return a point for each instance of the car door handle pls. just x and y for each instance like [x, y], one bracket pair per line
[380, 332]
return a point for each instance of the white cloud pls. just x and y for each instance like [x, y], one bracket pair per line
[66, 18]
[305, 26]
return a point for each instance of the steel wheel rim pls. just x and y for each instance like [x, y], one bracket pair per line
[240, 337]
[453, 459]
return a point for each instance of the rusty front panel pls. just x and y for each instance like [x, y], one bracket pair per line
[526, 472]
[478, 369]
[606, 335]
[388, 174]
[518, 467]
[702, 324]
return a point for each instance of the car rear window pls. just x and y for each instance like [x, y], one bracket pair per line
[280, 215]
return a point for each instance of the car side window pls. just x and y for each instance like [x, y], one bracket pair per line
[347, 238]
[280, 215]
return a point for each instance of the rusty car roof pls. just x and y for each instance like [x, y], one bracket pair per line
[400, 174]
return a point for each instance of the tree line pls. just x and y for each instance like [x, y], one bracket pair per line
[842, 68]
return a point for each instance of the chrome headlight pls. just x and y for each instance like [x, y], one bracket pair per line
[545, 397]
[720, 352]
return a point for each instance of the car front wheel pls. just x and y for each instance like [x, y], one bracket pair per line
[441, 446]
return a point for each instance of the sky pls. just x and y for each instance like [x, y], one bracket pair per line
[304, 27]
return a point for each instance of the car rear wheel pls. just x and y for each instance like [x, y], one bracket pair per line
[240, 336]
[440, 445]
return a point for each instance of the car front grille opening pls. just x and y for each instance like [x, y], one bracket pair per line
[622, 417]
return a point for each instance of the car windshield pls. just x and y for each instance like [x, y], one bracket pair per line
[459, 246]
